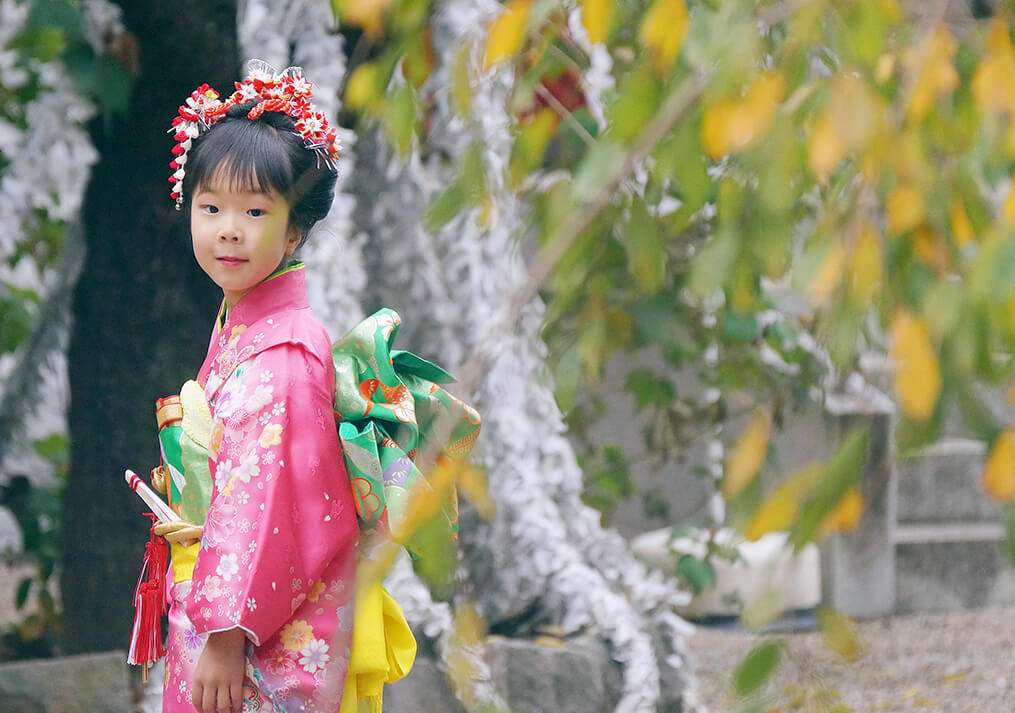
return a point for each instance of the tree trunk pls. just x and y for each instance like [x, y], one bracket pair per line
[142, 313]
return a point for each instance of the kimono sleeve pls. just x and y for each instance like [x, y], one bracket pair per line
[281, 507]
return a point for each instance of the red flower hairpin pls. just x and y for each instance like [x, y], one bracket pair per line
[287, 92]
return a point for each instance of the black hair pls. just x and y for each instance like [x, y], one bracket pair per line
[261, 156]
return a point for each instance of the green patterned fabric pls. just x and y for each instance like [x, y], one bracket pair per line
[387, 400]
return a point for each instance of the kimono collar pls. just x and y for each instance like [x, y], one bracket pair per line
[283, 290]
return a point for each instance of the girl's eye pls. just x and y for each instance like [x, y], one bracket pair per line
[256, 212]
[208, 208]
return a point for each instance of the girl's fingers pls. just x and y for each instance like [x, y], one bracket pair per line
[236, 693]
[223, 703]
[208, 700]
[196, 694]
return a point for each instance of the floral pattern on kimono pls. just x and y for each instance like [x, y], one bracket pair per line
[278, 554]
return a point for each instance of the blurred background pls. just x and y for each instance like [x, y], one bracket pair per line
[731, 282]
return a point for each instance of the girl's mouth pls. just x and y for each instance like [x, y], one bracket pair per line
[231, 261]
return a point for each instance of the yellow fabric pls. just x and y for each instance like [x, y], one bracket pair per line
[383, 650]
[183, 561]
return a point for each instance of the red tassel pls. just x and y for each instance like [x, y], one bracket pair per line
[146, 645]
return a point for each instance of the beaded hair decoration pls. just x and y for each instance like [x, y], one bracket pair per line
[287, 92]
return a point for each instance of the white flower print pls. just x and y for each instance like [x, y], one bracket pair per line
[268, 457]
[258, 338]
[212, 589]
[228, 566]
[266, 375]
[315, 656]
[251, 604]
[223, 473]
[247, 468]
[262, 397]
[243, 497]
[278, 409]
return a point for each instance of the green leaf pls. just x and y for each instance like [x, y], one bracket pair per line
[472, 175]
[712, 264]
[566, 377]
[681, 159]
[636, 103]
[530, 146]
[699, 574]
[646, 252]
[54, 448]
[24, 587]
[43, 43]
[757, 667]
[99, 76]
[596, 169]
[400, 119]
[649, 389]
[461, 83]
[444, 206]
[1009, 528]
[843, 471]
[15, 319]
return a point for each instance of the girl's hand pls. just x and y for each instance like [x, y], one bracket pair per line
[218, 679]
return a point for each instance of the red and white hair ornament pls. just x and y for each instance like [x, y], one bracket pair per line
[287, 92]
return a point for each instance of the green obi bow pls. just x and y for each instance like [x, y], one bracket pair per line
[387, 400]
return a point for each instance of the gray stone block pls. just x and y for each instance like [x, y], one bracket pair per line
[938, 576]
[92, 683]
[576, 677]
[943, 484]
[424, 690]
[858, 567]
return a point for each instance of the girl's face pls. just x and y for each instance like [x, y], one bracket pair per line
[239, 237]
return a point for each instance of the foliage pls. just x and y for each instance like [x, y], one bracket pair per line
[775, 189]
[52, 34]
[37, 511]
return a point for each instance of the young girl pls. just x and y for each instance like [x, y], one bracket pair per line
[261, 608]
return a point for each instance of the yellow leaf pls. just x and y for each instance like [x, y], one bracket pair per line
[929, 249]
[1010, 306]
[999, 471]
[846, 515]
[748, 454]
[778, 511]
[935, 74]
[885, 68]
[597, 17]
[865, 267]
[917, 377]
[368, 14]
[507, 33]
[763, 610]
[839, 633]
[851, 118]
[733, 124]
[361, 89]
[1008, 209]
[663, 30]
[994, 80]
[470, 629]
[472, 482]
[962, 227]
[828, 275]
[824, 149]
[905, 209]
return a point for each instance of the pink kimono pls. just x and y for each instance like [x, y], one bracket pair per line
[278, 554]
